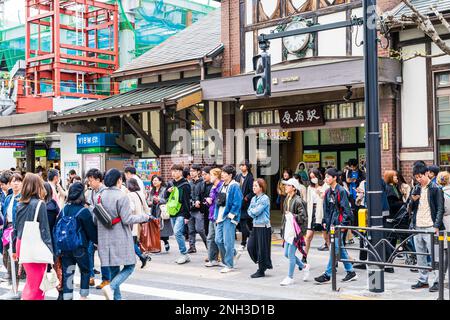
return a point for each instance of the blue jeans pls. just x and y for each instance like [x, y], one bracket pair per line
[225, 233]
[69, 261]
[91, 251]
[178, 230]
[213, 250]
[119, 277]
[344, 255]
[136, 248]
[289, 252]
[106, 274]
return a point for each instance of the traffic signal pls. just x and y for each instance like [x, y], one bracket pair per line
[262, 80]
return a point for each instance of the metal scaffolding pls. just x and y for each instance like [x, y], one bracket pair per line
[67, 58]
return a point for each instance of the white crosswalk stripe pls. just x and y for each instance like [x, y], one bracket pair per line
[136, 289]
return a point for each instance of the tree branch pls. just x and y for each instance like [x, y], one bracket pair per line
[440, 16]
[421, 55]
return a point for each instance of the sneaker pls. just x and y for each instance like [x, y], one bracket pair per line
[3, 269]
[167, 247]
[434, 287]
[287, 282]
[104, 283]
[226, 270]
[414, 270]
[108, 293]
[350, 276]
[306, 270]
[92, 282]
[324, 278]
[192, 250]
[213, 263]
[324, 247]
[3, 280]
[359, 266]
[242, 248]
[10, 296]
[420, 285]
[185, 258]
[236, 257]
[389, 270]
[258, 274]
[96, 271]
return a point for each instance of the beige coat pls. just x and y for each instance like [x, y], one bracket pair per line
[319, 207]
[137, 208]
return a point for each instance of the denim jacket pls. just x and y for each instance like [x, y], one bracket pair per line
[259, 209]
[233, 203]
[6, 205]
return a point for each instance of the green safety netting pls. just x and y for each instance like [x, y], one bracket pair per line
[155, 21]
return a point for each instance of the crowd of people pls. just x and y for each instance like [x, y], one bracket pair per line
[107, 213]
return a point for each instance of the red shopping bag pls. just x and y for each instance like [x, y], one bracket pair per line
[149, 239]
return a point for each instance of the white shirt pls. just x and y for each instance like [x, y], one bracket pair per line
[289, 231]
[140, 183]
[9, 211]
[314, 196]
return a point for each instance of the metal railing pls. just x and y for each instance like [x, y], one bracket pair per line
[374, 258]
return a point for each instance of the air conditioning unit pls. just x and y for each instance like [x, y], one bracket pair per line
[139, 145]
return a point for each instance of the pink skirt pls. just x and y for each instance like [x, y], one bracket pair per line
[35, 273]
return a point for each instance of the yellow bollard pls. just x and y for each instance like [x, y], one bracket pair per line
[362, 219]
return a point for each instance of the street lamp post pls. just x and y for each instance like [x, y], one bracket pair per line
[373, 152]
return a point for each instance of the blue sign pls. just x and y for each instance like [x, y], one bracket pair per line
[96, 140]
[54, 154]
[13, 144]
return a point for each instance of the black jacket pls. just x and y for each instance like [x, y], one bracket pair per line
[206, 190]
[52, 214]
[436, 202]
[395, 200]
[336, 208]
[25, 212]
[298, 209]
[196, 193]
[247, 192]
[185, 197]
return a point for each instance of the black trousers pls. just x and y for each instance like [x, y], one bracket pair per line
[245, 226]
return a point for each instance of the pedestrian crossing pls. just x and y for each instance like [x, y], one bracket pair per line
[130, 289]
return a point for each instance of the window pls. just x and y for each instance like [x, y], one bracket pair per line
[443, 115]
[443, 119]
[360, 109]
[267, 117]
[331, 112]
[346, 111]
[443, 80]
[253, 118]
[338, 136]
[311, 138]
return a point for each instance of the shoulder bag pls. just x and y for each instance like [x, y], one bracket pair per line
[32, 248]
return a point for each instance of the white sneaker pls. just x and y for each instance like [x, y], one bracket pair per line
[185, 258]
[287, 282]
[306, 272]
[226, 270]
[242, 248]
[108, 293]
[213, 263]
[236, 257]
[3, 269]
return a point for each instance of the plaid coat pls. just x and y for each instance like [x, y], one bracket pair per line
[115, 246]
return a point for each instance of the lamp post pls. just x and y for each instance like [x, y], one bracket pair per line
[373, 152]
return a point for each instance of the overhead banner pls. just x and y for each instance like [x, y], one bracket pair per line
[17, 144]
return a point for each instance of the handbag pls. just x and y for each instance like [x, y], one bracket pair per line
[164, 214]
[32, 248]
[49, 281]
[149, 238]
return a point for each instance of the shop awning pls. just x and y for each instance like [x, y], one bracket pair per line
[311, 75]
[179, 95]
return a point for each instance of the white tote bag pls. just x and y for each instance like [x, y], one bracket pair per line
[32, 248]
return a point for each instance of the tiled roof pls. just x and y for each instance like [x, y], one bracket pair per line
[194, 42]
[129, 100]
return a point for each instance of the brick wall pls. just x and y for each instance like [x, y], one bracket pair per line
[167, 161]
[231, 37]
[387, 115]
[406, 169]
